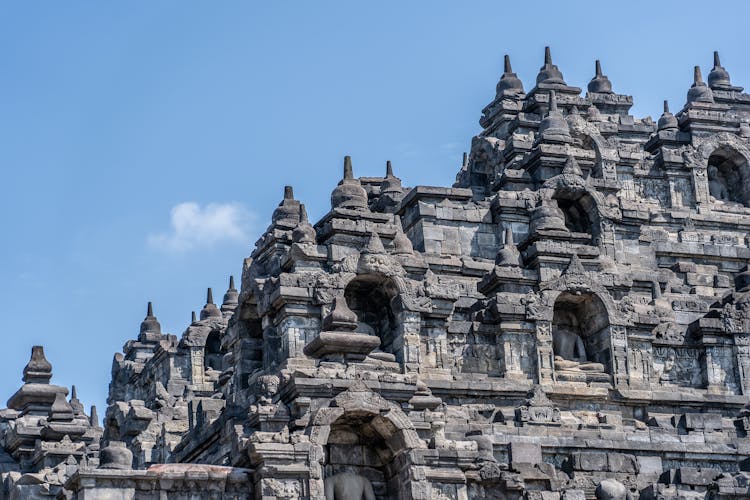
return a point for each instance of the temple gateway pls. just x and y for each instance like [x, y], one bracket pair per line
[570, 320]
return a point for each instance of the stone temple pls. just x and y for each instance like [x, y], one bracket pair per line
[570, 320]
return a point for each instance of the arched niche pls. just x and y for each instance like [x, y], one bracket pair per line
[600, 158]
[364, 434]
[213, 350]
[580, 212]
[371, 297]
[581, 338]
[729, 175]
[359, 444]
[591, 164]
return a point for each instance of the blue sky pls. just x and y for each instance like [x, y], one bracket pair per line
[145, 144]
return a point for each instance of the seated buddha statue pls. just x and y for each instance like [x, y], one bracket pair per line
[570, 351]
[571, 358]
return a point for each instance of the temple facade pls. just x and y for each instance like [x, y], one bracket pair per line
[570, 320]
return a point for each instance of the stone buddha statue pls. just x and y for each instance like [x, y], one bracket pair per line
[568, 346]
[717, 186]
[348, 486]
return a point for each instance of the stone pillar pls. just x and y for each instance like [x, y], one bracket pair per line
[742, 354]
[409, 325]
[609, 170]
[640, 363]
[700, 184]
[607, 237]
[545, 354]
[718, 368]
[514, 348]
[197, 370]
[618, 341]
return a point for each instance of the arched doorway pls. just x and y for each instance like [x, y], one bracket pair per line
[581, 338]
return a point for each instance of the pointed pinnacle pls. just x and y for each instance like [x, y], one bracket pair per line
[388, 169]
[192, 317]
[73, 393]
[506, 64]
[231, 282]
[717, 62]
[552, 101]
[697, 77]
[547, 56]
[150, 311]
[666, 106]
[303, 213]
[348, 174]
[94, 418]
[466, 159]
[508, 236]
[209, 296]
[288, 193]
[598, 68]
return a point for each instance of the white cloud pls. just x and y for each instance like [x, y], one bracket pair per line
[193, 226]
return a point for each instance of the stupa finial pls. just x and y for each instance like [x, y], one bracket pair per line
[348, 171]
[697, 76]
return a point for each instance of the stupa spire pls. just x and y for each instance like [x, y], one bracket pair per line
[349, 193]
[667, 120]
[348, 171]
[509, 83]
[210, 309]
[549, 73]
[699, 92]
[718, 78]
[600, 83]
[150, 324]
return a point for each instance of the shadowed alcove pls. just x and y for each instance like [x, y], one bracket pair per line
[581, 338]
[729, 176]
[371, 298]
[213, 351]
[363, 444]
[580, 212]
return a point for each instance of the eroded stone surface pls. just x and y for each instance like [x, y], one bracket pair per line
[568, 321]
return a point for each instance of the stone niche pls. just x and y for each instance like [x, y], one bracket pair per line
[579, 211]
[581, 338]
[355, 446]
[371, 297]
[212, 354]
[729, 176]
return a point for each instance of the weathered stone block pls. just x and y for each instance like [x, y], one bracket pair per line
[525, 453]
[707, 422]
[694, 476]
[590, 461]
